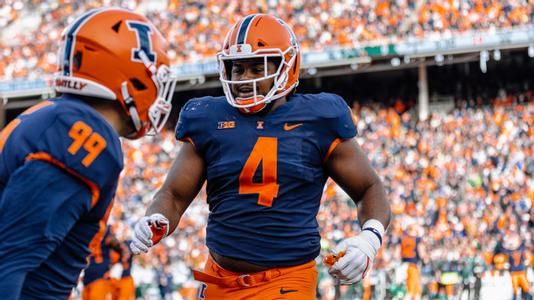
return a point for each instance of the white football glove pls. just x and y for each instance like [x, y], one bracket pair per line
[148, 232]
[359, 253]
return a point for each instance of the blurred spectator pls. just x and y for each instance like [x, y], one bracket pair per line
[195, 29]
[164, 278]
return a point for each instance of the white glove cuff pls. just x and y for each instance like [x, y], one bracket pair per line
[375, 227]
[370, 243]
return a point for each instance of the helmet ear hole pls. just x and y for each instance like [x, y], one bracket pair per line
[137, 84]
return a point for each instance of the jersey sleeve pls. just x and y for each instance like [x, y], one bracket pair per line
[191, 123]
[86, 149]
[342, 123]
[39, 206]
[338, 121]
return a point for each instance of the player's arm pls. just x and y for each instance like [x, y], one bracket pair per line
[181, 186]
[39, 206]
[351, 170]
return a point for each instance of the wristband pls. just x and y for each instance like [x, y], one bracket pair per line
[375, 227]
[373, 230]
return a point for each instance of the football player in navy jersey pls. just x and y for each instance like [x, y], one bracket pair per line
[266, 153]
[60, 160]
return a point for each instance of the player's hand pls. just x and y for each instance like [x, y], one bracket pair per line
[148, 232]
[355, 256]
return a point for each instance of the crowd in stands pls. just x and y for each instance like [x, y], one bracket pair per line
[196, 29]
[462, 178]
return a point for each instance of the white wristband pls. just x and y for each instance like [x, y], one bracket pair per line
[375, 227]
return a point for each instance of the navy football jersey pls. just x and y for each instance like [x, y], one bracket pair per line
[127, 263]
[265, 174]
[409, 248]
[516, 258]
[59, 166]
[99, 260]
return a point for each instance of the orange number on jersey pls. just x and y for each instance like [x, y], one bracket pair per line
[264, 152]
[94, 146]
[92, 142]
[408, 247]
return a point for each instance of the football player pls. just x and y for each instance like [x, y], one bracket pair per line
[123, 288]
[96, 280]
[411, 251]
[516, 250]
[60, 160]
[266, 153]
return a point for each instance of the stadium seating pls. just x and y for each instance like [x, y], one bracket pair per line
[196, 29]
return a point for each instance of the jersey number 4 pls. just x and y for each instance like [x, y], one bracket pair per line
[265, 152]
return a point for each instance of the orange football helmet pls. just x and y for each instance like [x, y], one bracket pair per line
[116, 54]
[261, 36]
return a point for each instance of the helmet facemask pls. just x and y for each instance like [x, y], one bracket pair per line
[278, 90]
[159, 111]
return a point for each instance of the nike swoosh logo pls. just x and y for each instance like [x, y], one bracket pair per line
[282, 291]
[288, 127]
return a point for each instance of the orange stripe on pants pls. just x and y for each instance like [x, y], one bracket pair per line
[298, 283]
[97, 290]
[123, 289]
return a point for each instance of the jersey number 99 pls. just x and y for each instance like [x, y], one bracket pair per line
[83, 135]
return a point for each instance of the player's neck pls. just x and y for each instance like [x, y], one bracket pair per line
[115, 117]
[276, 103]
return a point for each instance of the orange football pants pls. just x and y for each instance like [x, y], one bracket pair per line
[519, 281]
[413, 280]
[97, 290]
[123, 289]
[298, 283]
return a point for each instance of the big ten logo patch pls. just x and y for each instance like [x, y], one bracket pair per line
[225, 124]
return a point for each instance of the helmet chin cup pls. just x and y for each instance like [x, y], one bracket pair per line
[245, 102]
